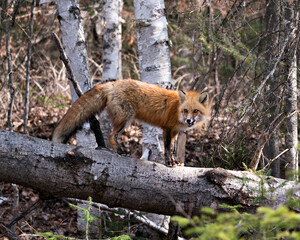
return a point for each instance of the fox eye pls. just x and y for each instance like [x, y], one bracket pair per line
[196, 111]
[185, 111]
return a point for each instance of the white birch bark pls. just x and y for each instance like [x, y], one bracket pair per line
[154, 67]
[111, 40]
[152, 37]
[120, 75]
[291, 137]
[74, 43]
[111, 58]
[154, 60]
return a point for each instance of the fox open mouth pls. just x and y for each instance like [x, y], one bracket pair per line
[190, 123]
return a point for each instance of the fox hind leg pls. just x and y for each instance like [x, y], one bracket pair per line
[174, 135]
[113, 136]
[120, 119]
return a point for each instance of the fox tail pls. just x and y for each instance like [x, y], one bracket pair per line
[89, 104]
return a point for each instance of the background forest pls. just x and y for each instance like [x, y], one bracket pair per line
[244, 53]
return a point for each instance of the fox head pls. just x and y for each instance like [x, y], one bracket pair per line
[194, 108]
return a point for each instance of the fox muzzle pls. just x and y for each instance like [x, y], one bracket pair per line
[190, 122]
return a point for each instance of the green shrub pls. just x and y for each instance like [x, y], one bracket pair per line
[267, 223]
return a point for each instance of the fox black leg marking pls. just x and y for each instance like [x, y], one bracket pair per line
[167, 143]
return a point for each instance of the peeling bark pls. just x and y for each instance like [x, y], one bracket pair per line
[58, 171]
[153, 42]
[74, 42]
[111, 40]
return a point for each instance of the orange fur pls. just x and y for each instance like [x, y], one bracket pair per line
[128, 99]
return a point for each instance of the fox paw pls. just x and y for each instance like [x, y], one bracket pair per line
[120, 151]
[180, 164]
[171, 162]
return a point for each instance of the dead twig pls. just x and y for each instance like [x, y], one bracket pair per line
[15, 205]
[5, 231]
[28, 65]
[272, 160]
[263, 140]
[256, 157]
[67, 64]
[23, 214]
[220, 97]
[120, 212]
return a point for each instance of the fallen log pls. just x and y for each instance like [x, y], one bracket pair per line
[63, 171]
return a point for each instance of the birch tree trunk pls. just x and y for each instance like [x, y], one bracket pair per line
[111, 58]
[154, 61]
[271, 149]
[112, 69]
[291, 137]
[155, 68]
[75, 47]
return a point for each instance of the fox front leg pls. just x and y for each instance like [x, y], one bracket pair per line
[169, 143]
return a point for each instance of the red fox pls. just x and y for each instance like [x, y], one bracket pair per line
[173, 111]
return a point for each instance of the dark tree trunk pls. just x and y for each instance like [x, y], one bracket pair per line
[272, 93]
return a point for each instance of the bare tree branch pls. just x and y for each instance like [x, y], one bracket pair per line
[264, 138]
[67, 64]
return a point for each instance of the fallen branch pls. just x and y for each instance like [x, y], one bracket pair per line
[136, 215]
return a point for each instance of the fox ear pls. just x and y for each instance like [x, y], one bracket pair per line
[182, 95]
[203, 98]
